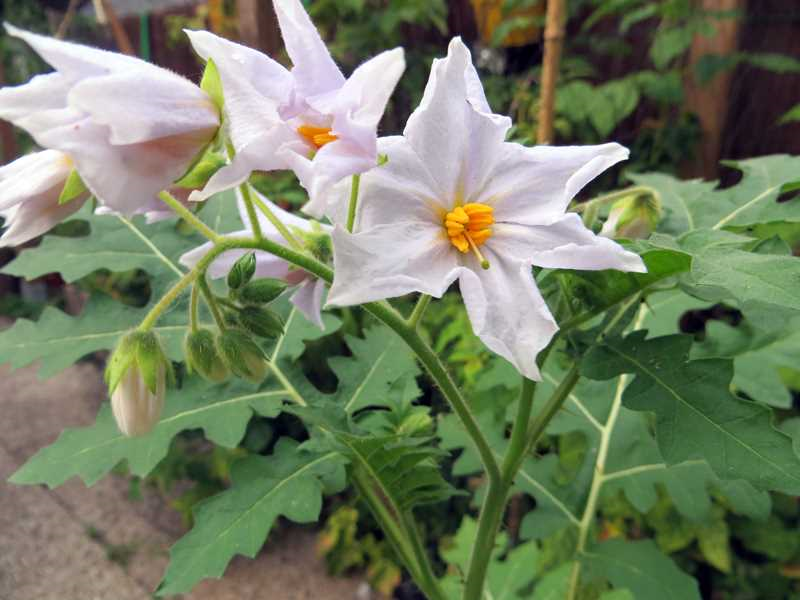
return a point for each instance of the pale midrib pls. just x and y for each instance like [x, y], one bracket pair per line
[550, 496]
[152, 246]
[181, 415]
[363, 383]
[724, 431]
[746, 205]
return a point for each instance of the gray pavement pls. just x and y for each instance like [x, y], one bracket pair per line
[79, 543]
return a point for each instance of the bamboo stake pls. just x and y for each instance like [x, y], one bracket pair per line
[553, 41]
[104, 11]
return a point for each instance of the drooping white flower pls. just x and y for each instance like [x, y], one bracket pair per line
[137, 409]
[29, 191]
[137, 374]
[310, 290]
[130, 127]
[310, 119]
[454, 198]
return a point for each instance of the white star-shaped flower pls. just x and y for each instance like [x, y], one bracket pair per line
[456, 201]
[130, 128]
[310, 119]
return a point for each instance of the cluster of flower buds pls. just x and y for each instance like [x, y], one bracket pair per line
[245, 314]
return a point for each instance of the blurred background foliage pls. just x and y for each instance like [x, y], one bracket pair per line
[683, 83]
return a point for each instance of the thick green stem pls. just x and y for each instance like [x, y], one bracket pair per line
[188, 215]
[272, 218]
[193, 302]
[353, 206]
[419, 310]
[244, 189]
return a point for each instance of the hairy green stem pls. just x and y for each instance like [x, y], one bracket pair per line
[588, 517]
[202, 283]
[272, 218]
[353, 206]
[193, 302]
[244, 189]
[419, 310]
[175, 291]
[188, 215]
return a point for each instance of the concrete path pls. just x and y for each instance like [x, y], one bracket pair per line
[78, 543]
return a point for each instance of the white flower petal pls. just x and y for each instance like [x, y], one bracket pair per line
[254, 85]
[75, 59]
[507, 311]
[314, 70]
[358, 105]
[564, 244]
[453, 137]
[143, 105]
[403, 184]
[40, 94]
[308, 300]
[125, 177]
[29, 191]
[332, 163]
[31, 175]
[534, 186]
[391, 260]
[259, 155]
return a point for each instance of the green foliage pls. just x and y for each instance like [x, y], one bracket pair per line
[289, 483]
[697, 416]
[641, 568]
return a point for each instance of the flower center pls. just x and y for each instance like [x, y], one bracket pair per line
[468, 227]
[317, 136]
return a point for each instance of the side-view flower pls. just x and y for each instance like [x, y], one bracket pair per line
[456, 201]
[129, 128]
[310, 119]
[30, 188]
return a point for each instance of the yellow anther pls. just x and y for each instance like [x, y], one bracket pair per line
[468, 227]
[317, 136]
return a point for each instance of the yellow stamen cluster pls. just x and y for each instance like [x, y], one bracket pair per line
[469, 226]
[317, 136]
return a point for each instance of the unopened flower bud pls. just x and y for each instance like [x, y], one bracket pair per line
[242, 271]
[137, 375]
[202, 356]
[242, 355]
[261, 291]
[632, 217]
[261, 322]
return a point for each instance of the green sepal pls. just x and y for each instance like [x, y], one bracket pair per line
[261, 291]
[211, 84]
[242, 271]
[261, 322]
[73, 187]
[150, 359]
[242, 355]
[202, 356]
[317, 241]
[121, 359]
[200, 171]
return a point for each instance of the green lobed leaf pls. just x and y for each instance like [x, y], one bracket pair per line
[641, 568]
[697, 417]
[289, 483]
[696, 204]
[221, 410]
[505, 579]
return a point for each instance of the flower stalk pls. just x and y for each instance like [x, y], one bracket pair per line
[352, 207]
[188, 215]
